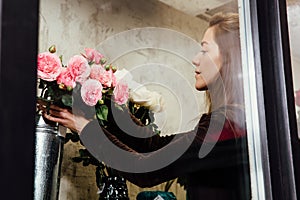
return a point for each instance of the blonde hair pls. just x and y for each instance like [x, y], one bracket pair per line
[228, 89]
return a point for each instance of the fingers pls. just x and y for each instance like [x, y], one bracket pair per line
[54, 119]
[58, 114]
[42, 102]
[64, 117]
[41, 107]
[61, 114]
[67, 122]
[47, 106]
[57, 108]
[54, 113]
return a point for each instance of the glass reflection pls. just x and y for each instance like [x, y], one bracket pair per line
[79, 24]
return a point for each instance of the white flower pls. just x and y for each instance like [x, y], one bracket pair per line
[149, 99]
[125, 76]
[140, 94]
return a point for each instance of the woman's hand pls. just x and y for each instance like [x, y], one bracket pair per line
[63, 116]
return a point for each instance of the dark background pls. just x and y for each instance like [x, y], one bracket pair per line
[19, 34]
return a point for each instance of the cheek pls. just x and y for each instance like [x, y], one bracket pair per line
[210, 71]
[210, 74]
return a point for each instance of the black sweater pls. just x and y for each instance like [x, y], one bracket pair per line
[147, 160]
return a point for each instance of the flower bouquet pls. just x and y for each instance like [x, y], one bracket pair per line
[86, 76]
[94, 85]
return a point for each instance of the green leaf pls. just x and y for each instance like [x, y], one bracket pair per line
[41, 85]
[68, 137]
[67, 100]
[61, 58]
[50, 91]
[74, 139]
[182, 181]
[83, 153]
[102, 112]
[85, 162]
[73, 136]
[119, 107]
[77, 159]
[94, 161]
[110, 92]
[46, 94]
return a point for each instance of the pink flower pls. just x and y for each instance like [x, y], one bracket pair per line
[91, 92]
[67, 78]
[297, 97]
[93, 56]
[96, 71]
[80, 68]
[121, 93]
[106, 78]
[114, 80]
[49, 66]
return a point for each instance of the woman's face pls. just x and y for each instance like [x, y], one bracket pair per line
[207, 61]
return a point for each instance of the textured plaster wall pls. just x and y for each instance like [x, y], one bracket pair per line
[73, 25]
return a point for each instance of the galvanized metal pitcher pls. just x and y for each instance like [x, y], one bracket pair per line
[49, 143]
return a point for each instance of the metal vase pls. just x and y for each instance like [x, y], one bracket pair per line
[49, 143]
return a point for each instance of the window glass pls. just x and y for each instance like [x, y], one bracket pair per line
[191, 70]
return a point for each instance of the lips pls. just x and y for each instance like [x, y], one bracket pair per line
[197, 74]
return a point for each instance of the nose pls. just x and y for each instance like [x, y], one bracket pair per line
[196, 60]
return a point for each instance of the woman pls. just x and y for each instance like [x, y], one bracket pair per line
[215, 160]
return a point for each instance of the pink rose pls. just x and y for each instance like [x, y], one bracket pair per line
[49, 66]
[91, 92]
[96, 71]
[297, 97]
[93, 56]
[121, 93]
[67, 78]
[80, 68]
[106, 78]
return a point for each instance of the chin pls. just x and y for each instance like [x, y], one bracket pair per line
[201, 88]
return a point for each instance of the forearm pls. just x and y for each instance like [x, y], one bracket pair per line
[179, 157]
[102, 150]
